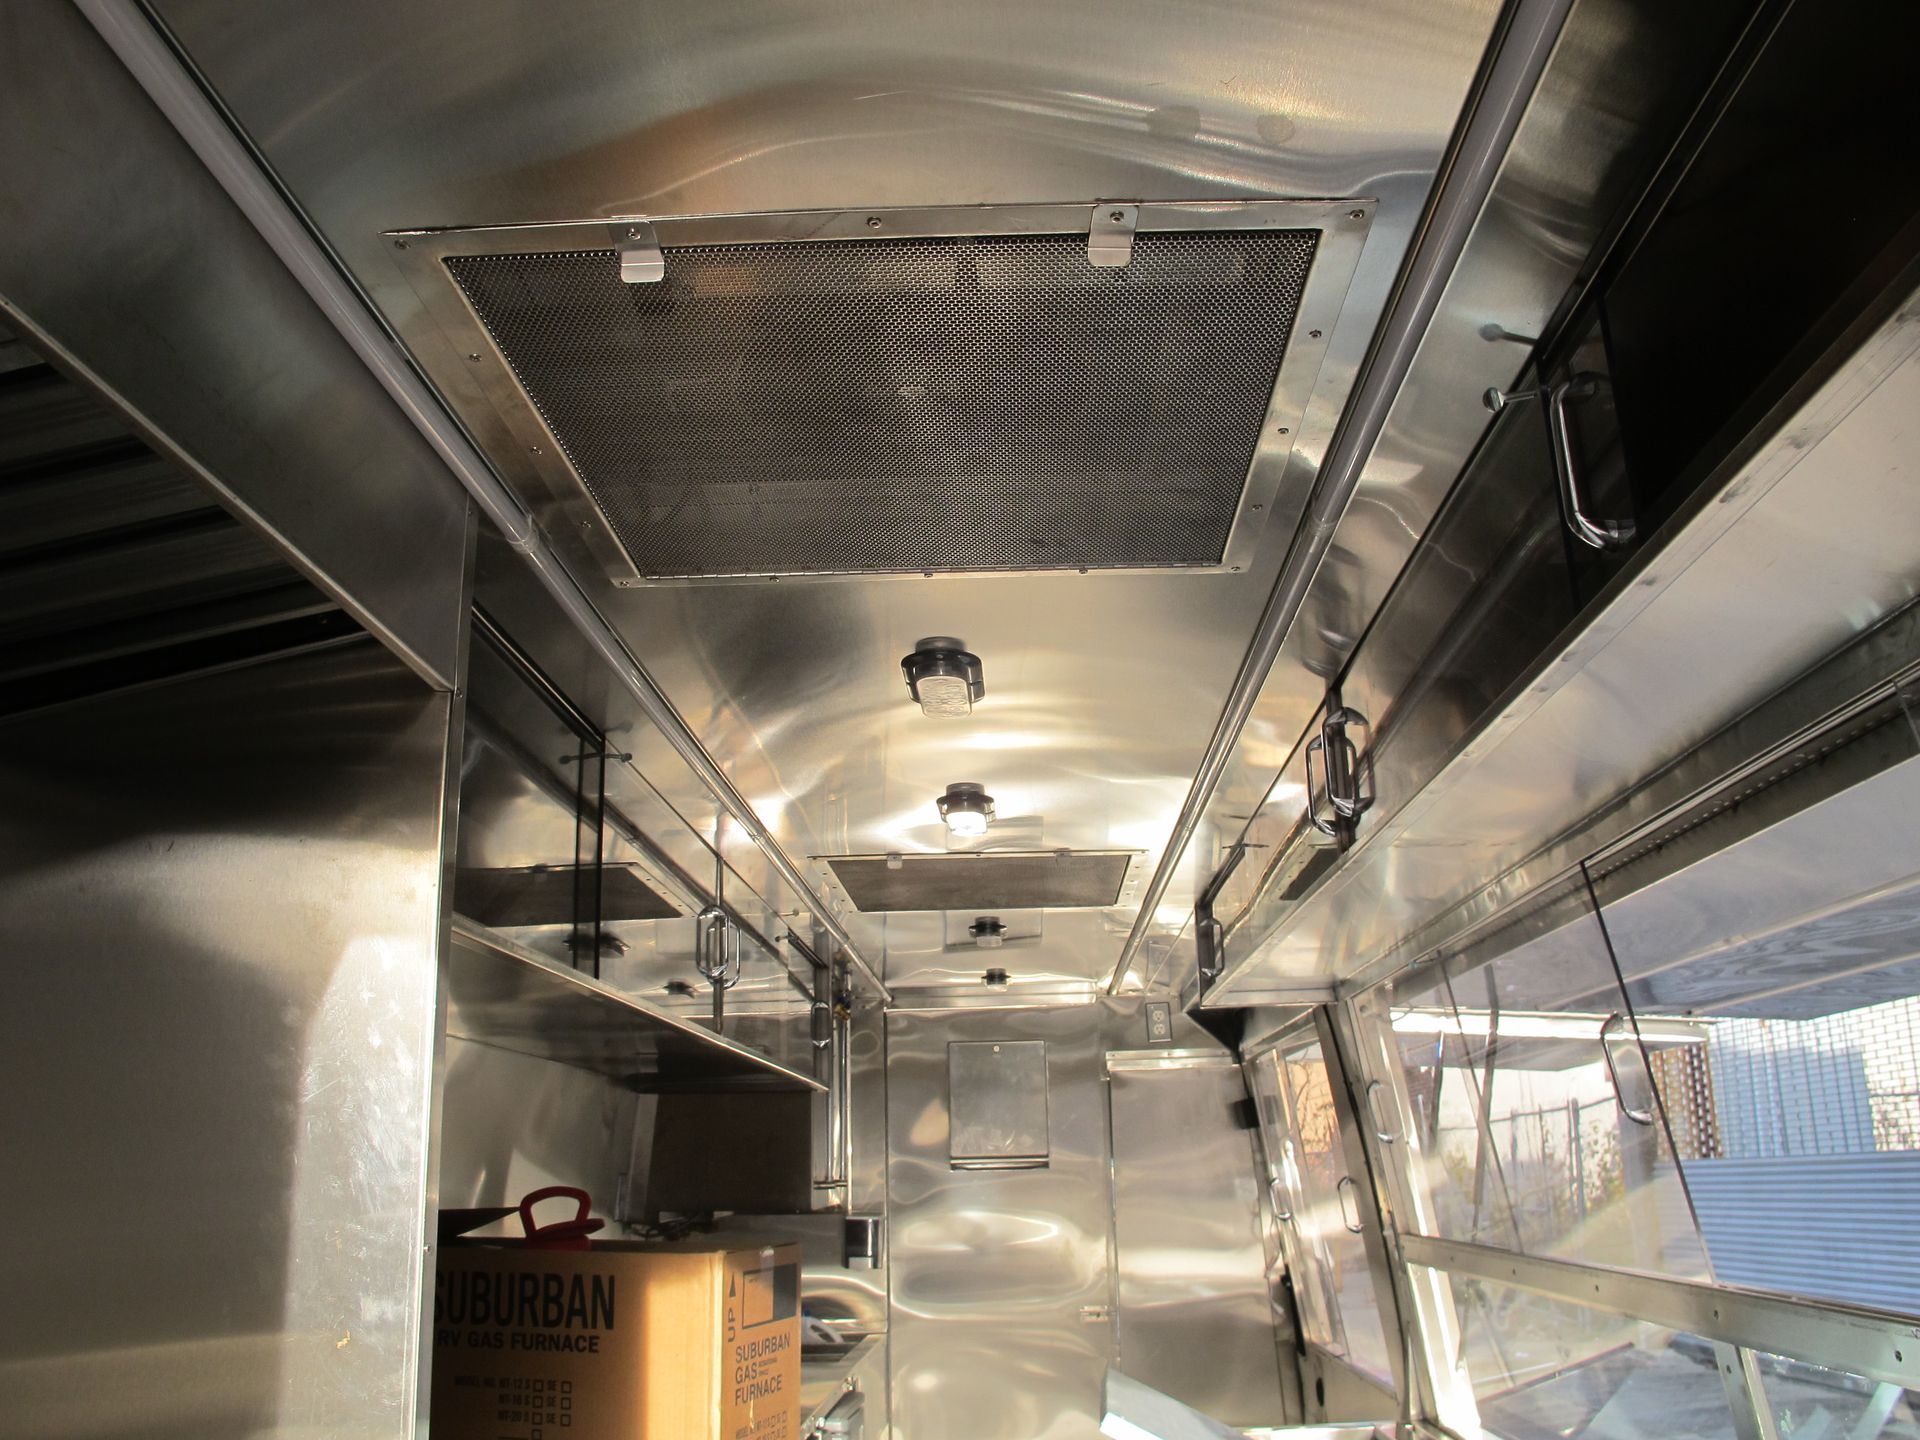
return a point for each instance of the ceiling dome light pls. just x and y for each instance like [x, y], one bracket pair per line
[944, 677]
[989, 932]
[967, 809]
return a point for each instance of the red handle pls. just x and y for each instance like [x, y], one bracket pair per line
[562, 1234]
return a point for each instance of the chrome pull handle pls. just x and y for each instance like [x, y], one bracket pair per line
[1354, 800]
[1277, 1194]
[1387, 1133]
[1344, 786]
[1638, 1116]
[1350, 1205]
[717, 947]
[1600, 534]
[1325, 827]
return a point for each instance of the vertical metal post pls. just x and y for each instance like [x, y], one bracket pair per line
[1576, 1149]
[1746, 1393]
[599, 880]
[843, 1073]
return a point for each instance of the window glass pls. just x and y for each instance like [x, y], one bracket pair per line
[1536, 1118]
[1791, 949]
[1312, 1297]
[1329, 1211]
[1812, 1403]
[1545, 1370]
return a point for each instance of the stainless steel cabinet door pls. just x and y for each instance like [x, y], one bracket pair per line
[1194, 1315]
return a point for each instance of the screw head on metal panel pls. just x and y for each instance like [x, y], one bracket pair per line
[873, 222]
[1117, 216]
[1285, 431]
[1313, 334]
[1356, 214]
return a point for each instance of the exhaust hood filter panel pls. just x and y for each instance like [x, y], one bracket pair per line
[983, 881]
[987, 402]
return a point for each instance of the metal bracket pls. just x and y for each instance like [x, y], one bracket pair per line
[641, 259]
[1110, 236]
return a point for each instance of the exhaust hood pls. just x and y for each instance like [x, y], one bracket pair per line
[902, 392]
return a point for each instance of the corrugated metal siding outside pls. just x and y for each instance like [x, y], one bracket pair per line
[1840, 1227]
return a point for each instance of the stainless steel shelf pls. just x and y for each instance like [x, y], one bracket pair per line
[500, 993]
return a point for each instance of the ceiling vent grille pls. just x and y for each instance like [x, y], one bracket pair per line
[984, 880]
[950, 403]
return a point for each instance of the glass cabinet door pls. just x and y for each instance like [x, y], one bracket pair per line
[1537, 1124]
[1328, 1208]
[1793, 950]
[1316, 1318]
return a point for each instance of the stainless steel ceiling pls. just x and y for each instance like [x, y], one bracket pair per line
[1102, 690]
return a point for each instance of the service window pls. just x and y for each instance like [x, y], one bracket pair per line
[1538, 1126]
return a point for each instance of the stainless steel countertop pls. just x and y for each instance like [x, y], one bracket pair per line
[823, 1382]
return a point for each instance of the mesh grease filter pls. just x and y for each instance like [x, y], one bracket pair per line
[972, 403]
[983, 880]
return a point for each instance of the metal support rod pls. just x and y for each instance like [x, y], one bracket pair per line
[1460, 193]
[843, 1078]
[153, 63]
[833, 1053]
[1875, 1344]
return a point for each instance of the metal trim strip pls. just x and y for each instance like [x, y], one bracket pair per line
[1136, 1061]
[1873, 1343]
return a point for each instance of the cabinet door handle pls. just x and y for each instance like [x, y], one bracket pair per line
[1387, 1133]
[1277, 1193]
[1600, 534]
[1350, 1205]
[1638, 1116]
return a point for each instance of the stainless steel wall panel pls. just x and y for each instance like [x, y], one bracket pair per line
[512, 1123]
[1002, 1284]
[129, 261]
[1193, 1317]
[221, 904]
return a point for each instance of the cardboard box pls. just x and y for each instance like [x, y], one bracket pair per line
[618, 1342]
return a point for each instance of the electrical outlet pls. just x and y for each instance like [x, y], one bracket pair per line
[1159, 1022]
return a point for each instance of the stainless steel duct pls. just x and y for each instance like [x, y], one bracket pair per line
[159, 71]
[1519, 55]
